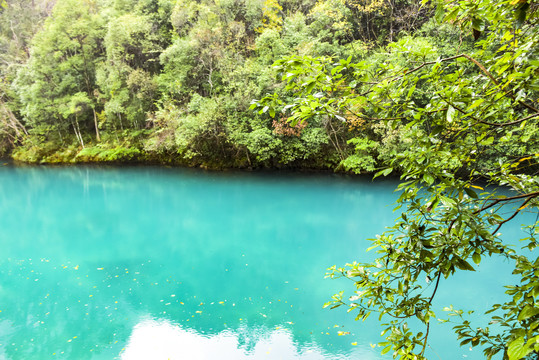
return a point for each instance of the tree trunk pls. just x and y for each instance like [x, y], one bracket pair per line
[76, 128]
[96, 128]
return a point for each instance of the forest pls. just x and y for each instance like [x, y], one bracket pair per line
[173, 81]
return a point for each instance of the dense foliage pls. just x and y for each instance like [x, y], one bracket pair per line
[172, 80]
[462, 121]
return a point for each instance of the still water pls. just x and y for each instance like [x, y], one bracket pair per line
[157, 263]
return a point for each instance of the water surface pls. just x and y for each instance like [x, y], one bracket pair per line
[157, 263]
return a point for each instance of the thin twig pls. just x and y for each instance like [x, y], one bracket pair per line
[430, 302]
[514, 214]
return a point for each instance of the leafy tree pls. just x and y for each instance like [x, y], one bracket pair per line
[476, 131]
[132, 44]
[381, 20]
[19, 21]
[61, 68]
[110, 67]
[331, 18]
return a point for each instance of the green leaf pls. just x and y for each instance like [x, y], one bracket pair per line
[475, 104]
[517, 349]
[488, 141]
[462, 264]
[450, 113]
[478, 24]
[471, 193]
[410, 92]
[476, 258]
[535, 292]
[384, 172]
[429, 179]
[310, 86]
[528, 312]
[452, 15]
[386, 350]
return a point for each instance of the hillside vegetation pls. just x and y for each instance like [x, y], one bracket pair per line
[172, 81]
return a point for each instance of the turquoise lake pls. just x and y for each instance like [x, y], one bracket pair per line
[165, 263]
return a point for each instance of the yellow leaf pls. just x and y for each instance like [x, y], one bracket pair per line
[523, 206]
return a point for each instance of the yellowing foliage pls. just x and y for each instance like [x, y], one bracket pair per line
[334, 10]
[271, 16]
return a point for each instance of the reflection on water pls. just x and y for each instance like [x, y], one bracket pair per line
[157, 263]
[161, 339]
[229, 259]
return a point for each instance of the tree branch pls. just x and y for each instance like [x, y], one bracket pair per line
[524, 204]
[477, 63]
[498, 200]
[428, 324]
[509, 123]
